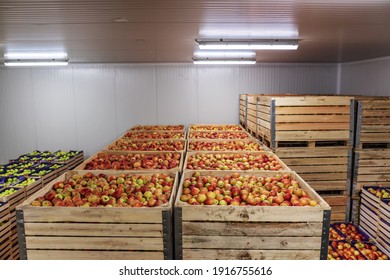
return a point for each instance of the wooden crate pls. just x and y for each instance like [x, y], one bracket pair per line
[251, 232]
[157, 143]
[227, 144]
[308, 120]
[373, 122]
[15, 198]
[371, 167]
[327, 170]
[158, 127]
[267, 153]
[4, 211]
[95, 233]
[179, 168]
[243, 109]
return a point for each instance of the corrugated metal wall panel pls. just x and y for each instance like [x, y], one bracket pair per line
[136, 101]
[288, 78]
[18, 132]
[96, 103]
[218, 87]
[177, 94]
[54, 108]
[370, 77]
[94, 89]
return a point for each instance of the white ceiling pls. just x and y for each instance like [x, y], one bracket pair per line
[165, 30]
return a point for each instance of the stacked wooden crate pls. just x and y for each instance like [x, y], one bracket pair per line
[372, 147]
[251, 114]
[243, 106]
[313, 135]
[244, 232]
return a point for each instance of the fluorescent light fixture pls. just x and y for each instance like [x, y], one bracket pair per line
[224, 61]
[249, 45]
[36, 55]
[36, 59]
[221, 54]
[34, 63]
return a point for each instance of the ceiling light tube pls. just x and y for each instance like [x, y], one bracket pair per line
[36, 62]
[229, 54]
[249, 45]
[224, 61]
[36, 55]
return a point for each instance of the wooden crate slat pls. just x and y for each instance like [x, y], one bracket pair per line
[92, 255]
[252, 229]
[316, 161]
[331, 119]
[94, 243]
[311, 135]
[335, 199]
[325, 176]
[261, 214]
[328, 185]
[311, 126]
[219, 254]
[313, 110]
[312, 101]
[93, 229]
[255, 243]
[94, 215]
[303, 169]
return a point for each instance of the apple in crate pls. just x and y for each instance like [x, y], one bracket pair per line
[236, 189]
[91, 190]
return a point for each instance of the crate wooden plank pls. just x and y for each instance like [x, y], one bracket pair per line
[93, 229]
[328, 185]
[255, 243]
[331, 119]
[311, 135]
[319, 152]
[201, 254]
[335, 199]
[93, 243]
[375, 129]
[311, 126]
[312, 110]
[316, 161]
[258, 214]
[251, 119]
[325, 176]
[312, 101]
[93, 255]
[252, 229]
[319, 168]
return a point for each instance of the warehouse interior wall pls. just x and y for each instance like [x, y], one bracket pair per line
[86, 107]
[366, 77]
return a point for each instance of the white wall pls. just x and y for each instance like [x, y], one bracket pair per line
[367, 77]
[87, 106]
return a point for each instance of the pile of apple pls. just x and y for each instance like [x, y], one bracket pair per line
[347, 251]
[144, 135]
[134, 161]
[226, 161]
[109, 191]
[370, 251]
[216, 127]
[218, 135]
[335, 235]
[129, 145]
[224, 146]
[379, 192]
[351, 232]
[7, 192]
[332, 254]
[241, 189]
[158, 127]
